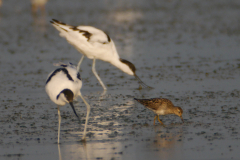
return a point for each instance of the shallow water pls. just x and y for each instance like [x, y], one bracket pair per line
[187, 51]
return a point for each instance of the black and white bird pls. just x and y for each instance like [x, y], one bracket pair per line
[63, 86]
[95, 44]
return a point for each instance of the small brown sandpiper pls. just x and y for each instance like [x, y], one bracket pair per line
[161, 106]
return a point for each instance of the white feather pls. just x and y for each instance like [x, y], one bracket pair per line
[97, 46]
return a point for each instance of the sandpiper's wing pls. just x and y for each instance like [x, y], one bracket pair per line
[152, 103]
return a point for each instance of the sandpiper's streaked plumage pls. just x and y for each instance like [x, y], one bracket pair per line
[63, 86]
[95, 44]
[161, 106]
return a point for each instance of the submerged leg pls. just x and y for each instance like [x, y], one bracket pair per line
[96, 75]
[79, 63]
[154, 120]
[160, 121]
[87, 116]
[59, 152]
[59, 123]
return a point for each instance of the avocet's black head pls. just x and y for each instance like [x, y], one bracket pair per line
[69, 96]
[133, 69]
[129, 64]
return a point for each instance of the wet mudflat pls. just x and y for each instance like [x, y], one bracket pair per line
[187, 51]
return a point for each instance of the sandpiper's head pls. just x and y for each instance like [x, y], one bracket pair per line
[178, 111]
[131, 69]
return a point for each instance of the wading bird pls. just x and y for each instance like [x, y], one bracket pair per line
[63, 86]
[95, 44]
[161, 106]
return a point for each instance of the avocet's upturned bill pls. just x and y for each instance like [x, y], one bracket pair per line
[63, 86]
[95, 44]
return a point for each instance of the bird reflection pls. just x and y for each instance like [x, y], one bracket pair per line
[38, 4]
[40, 24]
[39, 19]
[85, 150]
[167, 141]
[0, 6]
[59, 152]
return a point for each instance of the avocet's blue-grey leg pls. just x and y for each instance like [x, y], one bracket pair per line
[59, 123]
[96, 75]
[79, 63]
[87, 116]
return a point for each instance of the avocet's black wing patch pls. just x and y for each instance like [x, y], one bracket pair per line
[56, 21]
[79, 76]
[64, 70]
[63, 65]
[85, 33]
[109, 39]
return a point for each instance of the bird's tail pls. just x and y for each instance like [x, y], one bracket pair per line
[60, 26]
[136, 99]
[65, 65]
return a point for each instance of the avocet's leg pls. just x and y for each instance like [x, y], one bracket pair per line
[79, 63]
[96, 75]
[86, 122]
[59, 123]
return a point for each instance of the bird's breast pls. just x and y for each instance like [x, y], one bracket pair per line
[160, 112]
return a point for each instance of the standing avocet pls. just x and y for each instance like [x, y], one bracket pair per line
[95, 44]
[63, 86]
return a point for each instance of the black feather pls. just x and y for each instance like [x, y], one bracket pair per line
[64, 70]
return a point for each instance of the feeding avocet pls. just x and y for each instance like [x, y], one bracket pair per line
[95, 44]
[63, 86]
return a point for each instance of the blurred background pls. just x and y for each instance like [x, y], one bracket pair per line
[187, 50]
